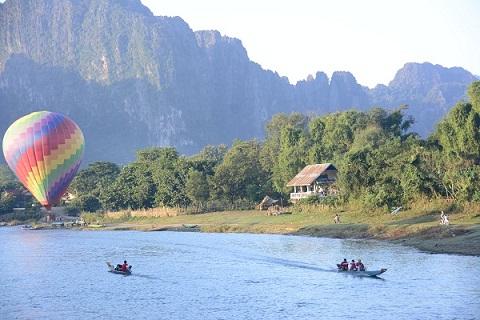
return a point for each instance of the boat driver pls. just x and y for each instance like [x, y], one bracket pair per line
[360, 265]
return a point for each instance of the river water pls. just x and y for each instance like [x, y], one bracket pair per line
[61, 274]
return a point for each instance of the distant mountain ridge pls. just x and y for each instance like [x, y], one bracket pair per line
[131, 79]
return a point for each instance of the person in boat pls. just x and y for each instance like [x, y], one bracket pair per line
[343, 265]
[124, 267]
[353, 266]
[360, 265]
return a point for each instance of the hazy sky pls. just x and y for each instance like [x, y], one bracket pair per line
[370, 38]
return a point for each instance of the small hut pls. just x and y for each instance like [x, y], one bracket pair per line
[266, 203]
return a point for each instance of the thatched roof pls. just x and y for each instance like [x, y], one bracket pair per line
[267, 201]
[309, 174]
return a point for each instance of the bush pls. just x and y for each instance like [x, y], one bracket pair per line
[7, 202]
[87, 203]
[89, 217]
[72, 211]
[29, 214]
[387, 195]
[329, 201]
[311, 200]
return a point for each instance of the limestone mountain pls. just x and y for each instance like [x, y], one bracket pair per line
[429, 90]
[131, 79]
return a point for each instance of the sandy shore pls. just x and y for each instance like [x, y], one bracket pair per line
[464, 240]
[419, 230]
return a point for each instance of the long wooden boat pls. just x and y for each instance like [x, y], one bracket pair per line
[112, 269]
[369, 273]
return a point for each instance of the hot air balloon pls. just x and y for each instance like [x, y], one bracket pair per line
[44, 149]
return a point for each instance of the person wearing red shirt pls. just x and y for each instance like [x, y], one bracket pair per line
[124, 266]
[344, 265]
[353, 266]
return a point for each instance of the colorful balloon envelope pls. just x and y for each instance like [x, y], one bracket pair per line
[44, 149]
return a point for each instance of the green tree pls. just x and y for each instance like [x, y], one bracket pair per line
[317, 151]
[458, 139]
[7, 202]
[211, 153]
[333, 134]
[134, 188]
[459, 132]
[86, 202]
[169, 173]
[14, 194]
[208, 159]
[240, 175]
[160, 165]
[165, 156]
[382, 167]
[474, 95]
[95, 178]
[392, 123]
[291, 158]
[7, 178]
[273, 131]
[197, 187]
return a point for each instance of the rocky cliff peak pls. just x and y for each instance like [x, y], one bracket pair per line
[424, 75]
[133, 5]
[345, 92]
[212, 39]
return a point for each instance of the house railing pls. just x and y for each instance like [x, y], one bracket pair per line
[301, 195]
[306, 194]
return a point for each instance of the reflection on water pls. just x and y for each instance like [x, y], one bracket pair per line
[62, 274]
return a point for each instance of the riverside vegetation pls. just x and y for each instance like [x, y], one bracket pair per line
[381, 165]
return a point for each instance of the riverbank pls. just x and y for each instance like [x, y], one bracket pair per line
[418, 227]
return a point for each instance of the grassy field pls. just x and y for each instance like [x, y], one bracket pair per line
[417, 226]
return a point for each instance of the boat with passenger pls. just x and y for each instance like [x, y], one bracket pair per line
[358, 269]
[119, 270]
[371, 273]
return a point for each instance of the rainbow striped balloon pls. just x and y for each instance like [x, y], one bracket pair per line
[44, 149]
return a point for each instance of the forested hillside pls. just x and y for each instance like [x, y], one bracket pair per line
[380, 164]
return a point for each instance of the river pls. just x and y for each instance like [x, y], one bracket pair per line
[61, 274]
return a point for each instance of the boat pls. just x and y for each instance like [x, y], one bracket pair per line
[372, 273]
[96, 226]
[112, 269]
[27, 227]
